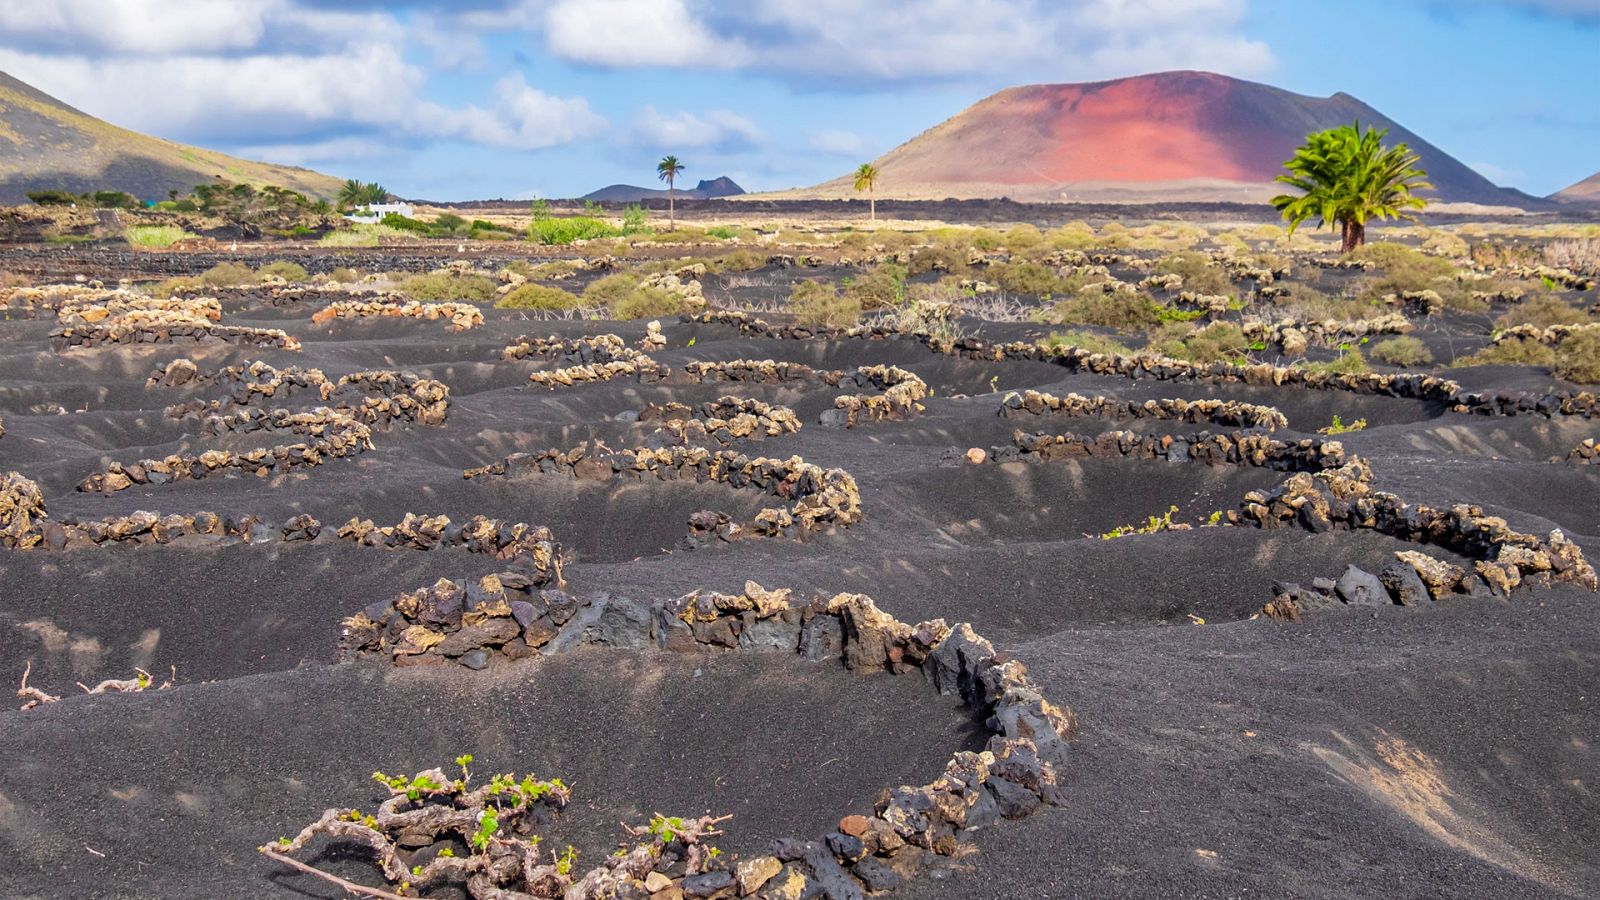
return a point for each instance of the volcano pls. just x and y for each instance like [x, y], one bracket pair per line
[1171, 136]
[1585, 192]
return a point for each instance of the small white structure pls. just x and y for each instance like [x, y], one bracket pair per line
[371, 215]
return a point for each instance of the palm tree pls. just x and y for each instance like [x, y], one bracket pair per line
[1347, 176]
[867, 180]
[668, 170]
[354, 194]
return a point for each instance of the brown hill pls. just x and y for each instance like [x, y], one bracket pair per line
[1172, 136]
[1586, 192]
[45, 143]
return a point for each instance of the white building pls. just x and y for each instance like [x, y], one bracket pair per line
[369, 215]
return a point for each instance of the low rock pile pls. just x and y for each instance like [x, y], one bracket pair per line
[1552, 336]
[752, 371]
[473, 623]
[461, 316]
[22, 511]
[584, 351]
[724, 420]
[130, 307]
[901, 397]
[816, 498]
[153, 327]
[1227, 413]
[1343, 498]
[1295, 335]
[375, 396]
[340, 436]
[1236, 449]
[1587, 453]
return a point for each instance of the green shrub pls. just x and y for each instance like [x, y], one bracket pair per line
[635, 219]
[820, 303]
[1032, 280]
[283, 268]
[647, 303]
[344, 275]
[442, 287]
[562, 231]
[1578, 358]
[1213, 343]
[55, 197]
[155, 236]
[450, 223]
[115, 200]
[1022, 238]
[360, 235]
[1087, 340]
[1349, 362]
[1199, 273]
[1091, 306]
[1309, 304]
[940, 258]
[1510, 353]
[737, 261]
[610, 290]
[879, 287]
[402, 223]
[1403, 350]
[537, 296]
[722, 232]
[1542, 312]
[229, 274]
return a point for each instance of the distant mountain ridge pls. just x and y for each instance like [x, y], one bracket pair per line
[1171, 136]
[630, 193]
[44, 143]
[1585, 192]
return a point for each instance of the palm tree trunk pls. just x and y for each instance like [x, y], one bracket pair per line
[1352, 234]
[672, 210]
[872, 204]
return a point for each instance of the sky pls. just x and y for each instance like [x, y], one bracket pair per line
[479, 99]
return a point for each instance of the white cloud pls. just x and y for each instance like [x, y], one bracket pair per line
[523, 118]
[894, 40]
[636, 33]
[292, 77]
[266, 94]
[139, 26]
[837, 143]
[721, 128]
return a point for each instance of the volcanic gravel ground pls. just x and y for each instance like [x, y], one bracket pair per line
[1447, 751]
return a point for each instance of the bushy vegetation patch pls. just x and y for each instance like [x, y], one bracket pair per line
[1087, 340]
[609, 290]
[1031, 279]
[1215, 342]
[879, 287]
[1094, 307]
[820, 303]
[1198, 272]
[565, 230]
[436, 286]
[1542, 312]
[289, 271]
[1402, 350]
[1578, 358]
[1348, 362]
[156, 236]
[1511, 353]
[646, 302]
[539, 297]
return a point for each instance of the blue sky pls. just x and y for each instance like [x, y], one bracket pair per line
[518, 98]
